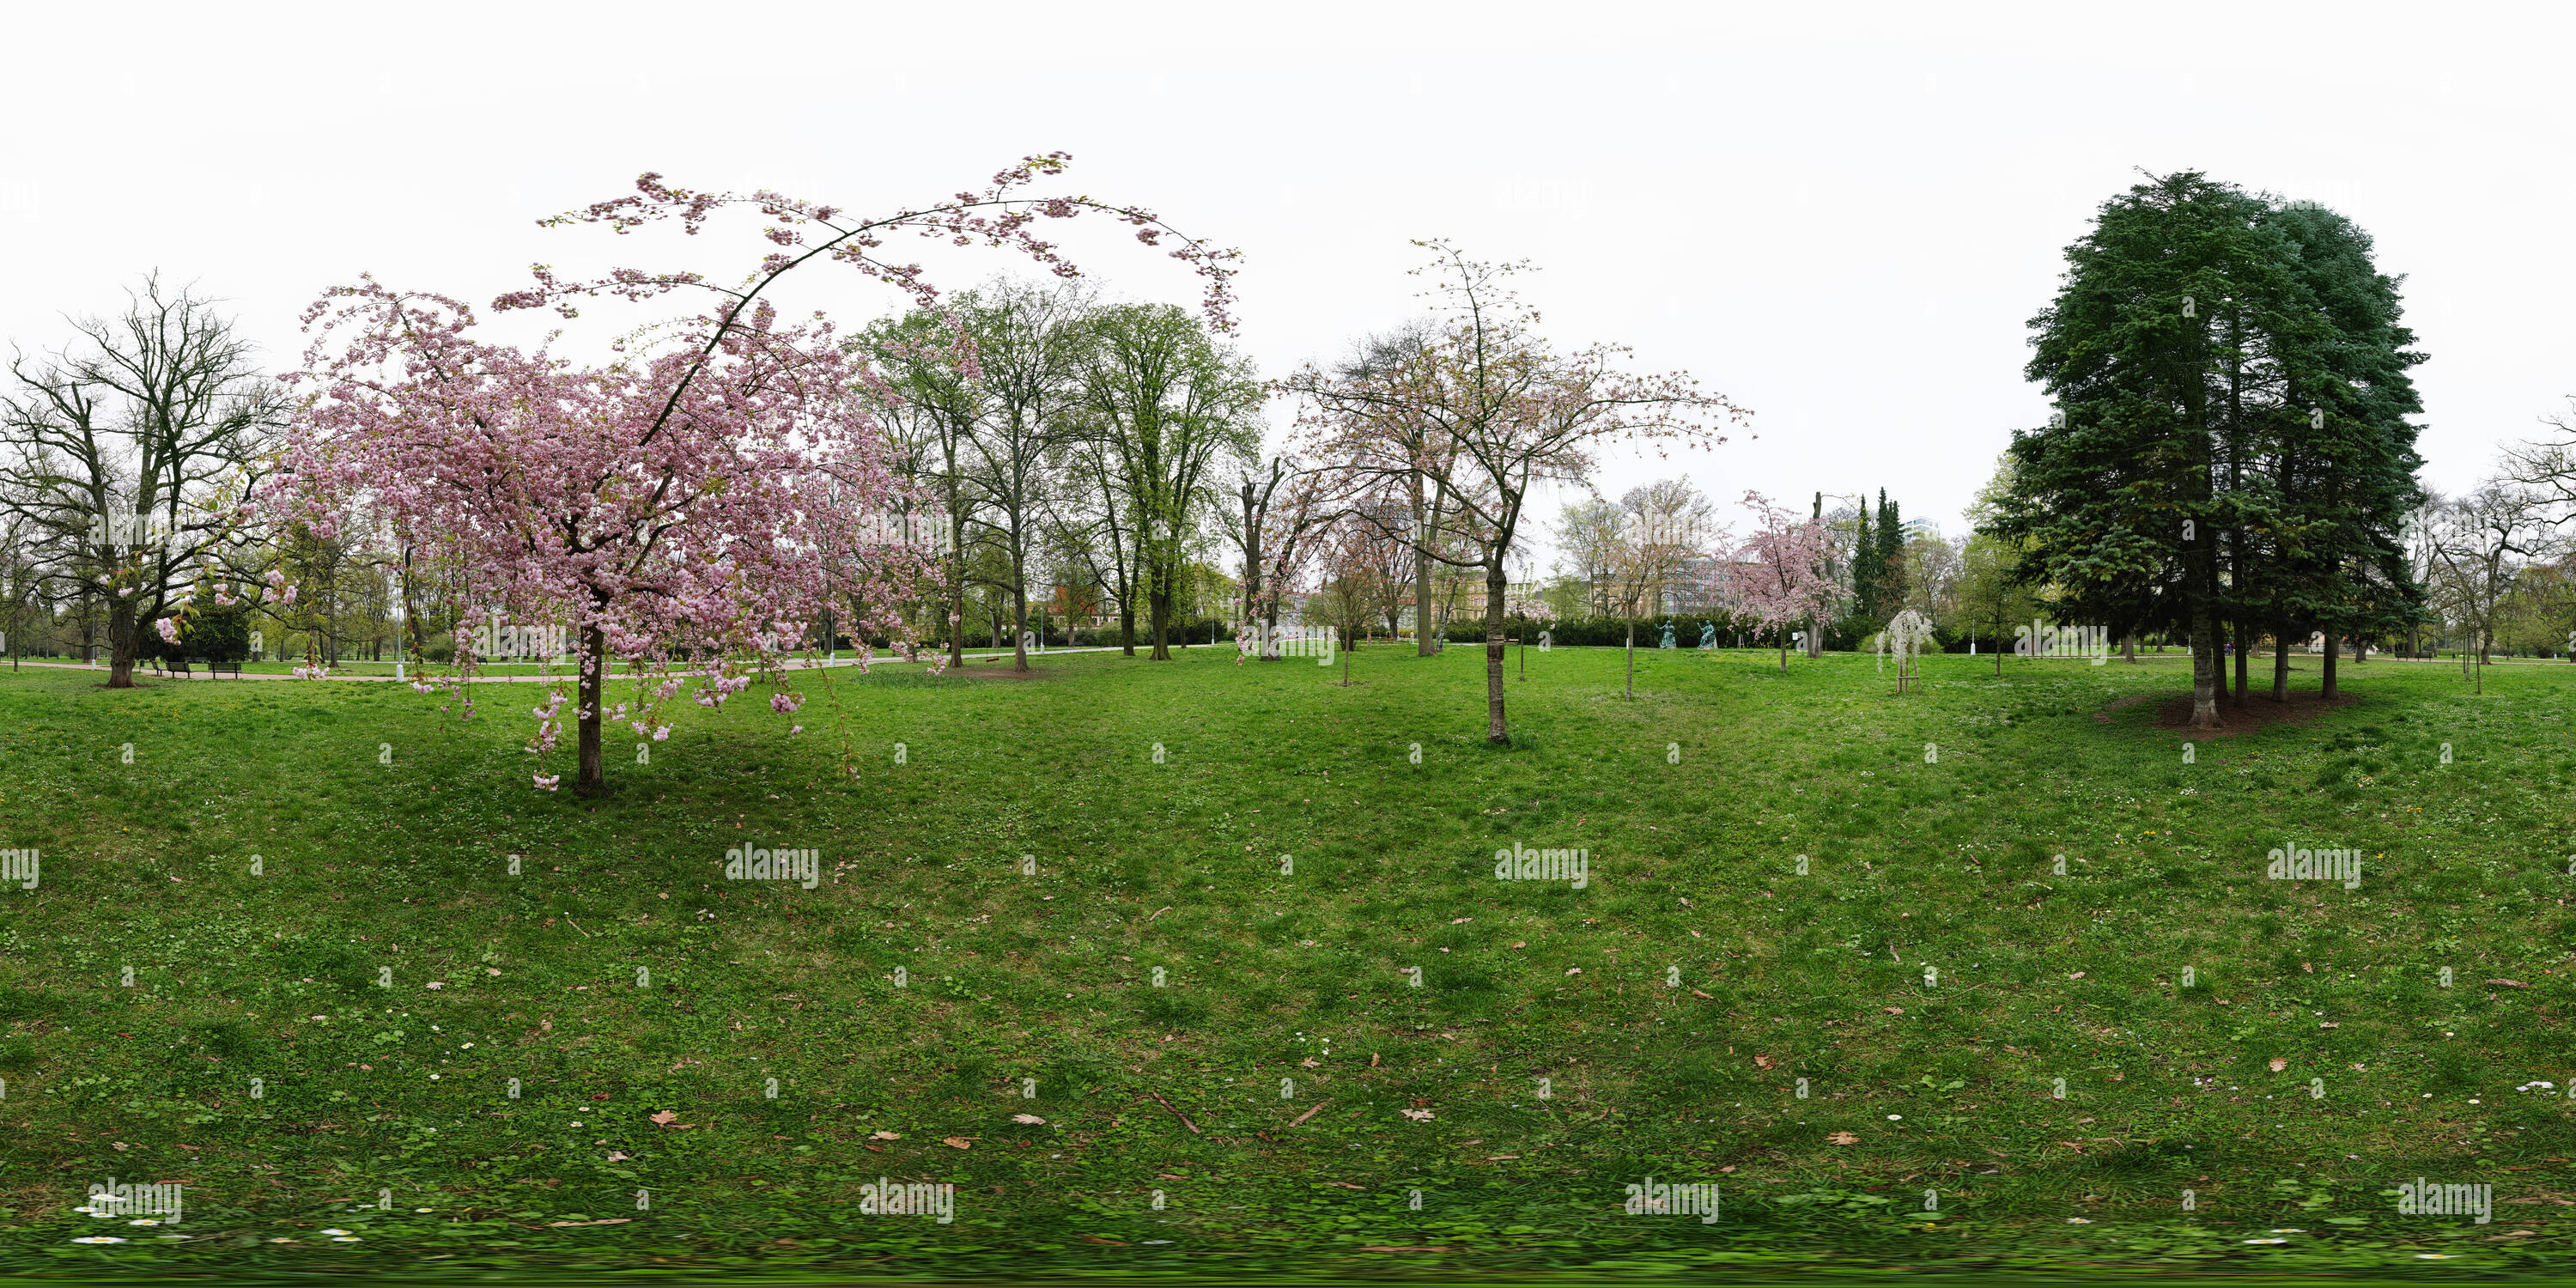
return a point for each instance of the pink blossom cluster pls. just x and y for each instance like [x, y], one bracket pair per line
[685, 510]
[549, 725]
[1780, 575]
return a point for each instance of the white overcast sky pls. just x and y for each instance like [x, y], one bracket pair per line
[1841, 216]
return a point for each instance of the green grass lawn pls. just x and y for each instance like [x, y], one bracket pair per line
[1931, 978]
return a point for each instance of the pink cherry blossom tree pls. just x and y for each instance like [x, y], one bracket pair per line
[1779, 572]
[689, 510]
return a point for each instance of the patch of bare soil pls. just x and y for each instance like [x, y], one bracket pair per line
[2259, 711]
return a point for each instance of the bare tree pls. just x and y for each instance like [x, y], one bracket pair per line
[1504, 412]
[1664, 528]
[132, 452]
[1589, 538]
[2479, 542]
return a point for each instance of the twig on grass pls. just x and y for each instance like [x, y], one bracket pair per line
[1176, 1112]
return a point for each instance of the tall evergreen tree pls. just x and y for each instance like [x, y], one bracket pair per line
[2357, 443]
[2122, 501]
[1889, 560]
[1864, 563]
[2231, 444]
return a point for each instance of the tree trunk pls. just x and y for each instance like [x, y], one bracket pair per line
[592, 780]
[2281, 666]
[1127, 624]
[1422, 646]
[1497, 734]
[121, 628]
[2129, 648]
[1019, 613]
[2208, 673]
[1158, 606]
[2244, 646]
[2334, 645]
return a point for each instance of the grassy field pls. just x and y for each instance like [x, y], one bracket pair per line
[709, 1069]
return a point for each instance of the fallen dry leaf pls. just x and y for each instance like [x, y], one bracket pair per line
[1697, 993]
[614, 1220]
[2278, 1064]
[1417, 1115]
[2509, 983]
[1763, 1062]
[1032, 1119]
[1573, 970]
[616, 1157]
[956, 1142]
[667, 1118]
[1346, 1185]
[1843, 1138]
[1893, 1010]
[884, 1135]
